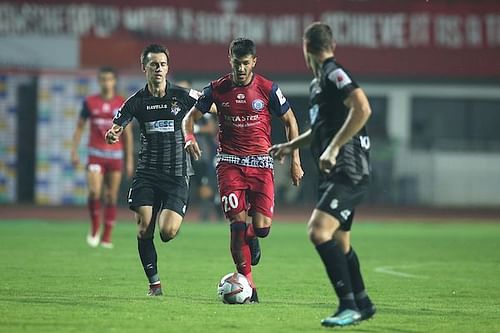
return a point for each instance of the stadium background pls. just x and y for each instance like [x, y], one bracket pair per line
[427, 234]
[430, 69]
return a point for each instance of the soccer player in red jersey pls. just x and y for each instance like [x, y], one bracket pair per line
[245, 103]
[105, 162]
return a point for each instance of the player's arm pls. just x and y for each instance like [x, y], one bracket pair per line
[129, 151]
[77, 135]
[123, 117]
[203, 105]
[281, 150]
[292, 132]
[359, 112]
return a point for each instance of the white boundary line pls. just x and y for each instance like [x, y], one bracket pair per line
[391, 270]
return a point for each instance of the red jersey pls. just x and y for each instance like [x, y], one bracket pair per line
[101, 112]
[244, 113]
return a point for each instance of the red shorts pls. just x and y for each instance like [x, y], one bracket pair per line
[104, 165]
[244, 188]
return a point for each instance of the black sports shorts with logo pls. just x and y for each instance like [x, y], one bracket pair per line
[159, 191]
[339, 195]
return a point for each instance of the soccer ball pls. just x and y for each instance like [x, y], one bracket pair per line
[234, 289]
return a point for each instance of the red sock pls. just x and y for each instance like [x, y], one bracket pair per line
[109, 222]
[250, 232]
[241, 251]
[94, 206]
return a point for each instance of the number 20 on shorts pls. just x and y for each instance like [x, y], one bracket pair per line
[229, 202]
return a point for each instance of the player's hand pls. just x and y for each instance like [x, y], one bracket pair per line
[296, 173]
[129, 168]
[113, 134]
[192, 147]
[279, 151]
[328, 159]
[75, 158]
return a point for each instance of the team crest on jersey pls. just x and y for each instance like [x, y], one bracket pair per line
[258, 104]
[175, 108]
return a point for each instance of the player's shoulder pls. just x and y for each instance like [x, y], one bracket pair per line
[181, 92]
[263, 82]
[334, 72]
[93, 99]
[223, 83]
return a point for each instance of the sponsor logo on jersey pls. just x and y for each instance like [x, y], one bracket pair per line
[280, 96]
[240, 99]
[258, 104]
[340, 78]
[313, 113]
[156, 107]
[345, 214]
[175, 108]
[160, 126]
[106, 108]
[242, 121]
[334, 204]
[236, 119]
[195, 94]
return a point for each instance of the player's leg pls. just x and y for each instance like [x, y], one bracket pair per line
[146, 217]
[94, 181]
[233, 201]
[321, 227]
[112, 180]
[143, 202]
[261, 200]
[363, 301]
[174, 193]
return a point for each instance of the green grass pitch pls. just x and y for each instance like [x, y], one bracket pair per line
[423, 278]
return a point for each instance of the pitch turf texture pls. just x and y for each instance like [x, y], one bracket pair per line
[423, 278]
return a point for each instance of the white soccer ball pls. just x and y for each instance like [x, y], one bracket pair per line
[234, 288]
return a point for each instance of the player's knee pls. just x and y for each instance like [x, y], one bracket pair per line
[111, 198]
[318, 235]
[262, 232]
[168, 235]
[143, 227]
[93, 194]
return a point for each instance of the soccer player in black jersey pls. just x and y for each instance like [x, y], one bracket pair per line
[339, 110]
[159, 191]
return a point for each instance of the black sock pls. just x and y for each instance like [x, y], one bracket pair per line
[147, 252]
[358, 286]
[336, 266]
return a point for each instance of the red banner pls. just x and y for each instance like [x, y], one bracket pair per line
[378, 38]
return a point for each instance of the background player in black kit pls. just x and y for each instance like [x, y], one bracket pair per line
[159, 192]
[339, 142]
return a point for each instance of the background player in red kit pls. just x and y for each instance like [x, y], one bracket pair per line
[105, 162]
[245, 102]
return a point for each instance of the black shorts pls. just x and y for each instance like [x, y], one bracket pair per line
[339, 196]
[160, 192]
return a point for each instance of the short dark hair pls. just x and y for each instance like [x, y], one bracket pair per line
[154, 48]
[241, 47]
[319, 37]
[106, 69]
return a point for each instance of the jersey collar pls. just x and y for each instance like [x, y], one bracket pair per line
[167, 88]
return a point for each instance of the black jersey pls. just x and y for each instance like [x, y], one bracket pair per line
[328, 114]
[162, 142]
